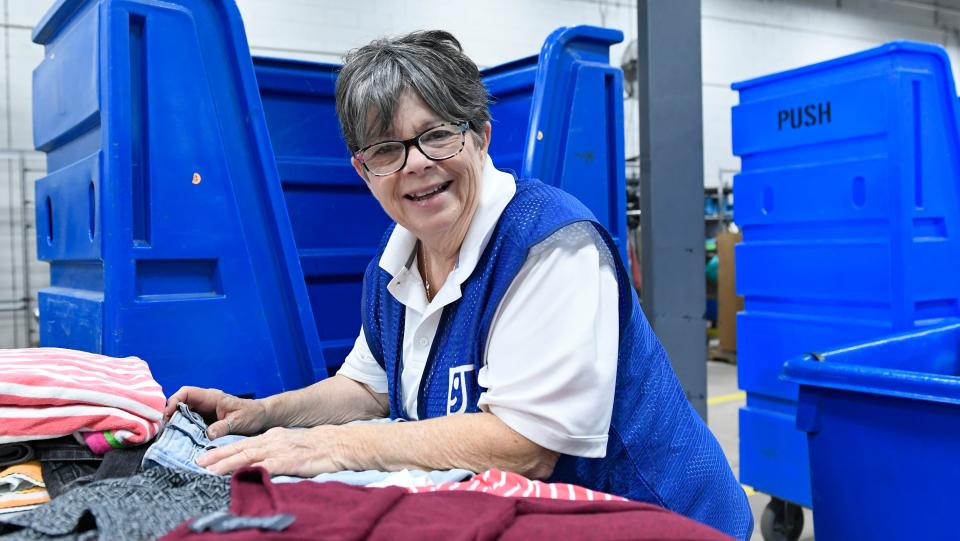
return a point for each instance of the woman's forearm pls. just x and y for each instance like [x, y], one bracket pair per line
[474, 441]
[471, 441]
[335, 400]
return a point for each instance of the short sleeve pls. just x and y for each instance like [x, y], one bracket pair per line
[360, 366]
[551, 360]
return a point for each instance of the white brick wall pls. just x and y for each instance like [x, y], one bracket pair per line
[492, 32]
[25, 13]
[18, 56]
[15, 324]
[741, 39]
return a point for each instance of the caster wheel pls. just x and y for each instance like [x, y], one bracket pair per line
[781, 521]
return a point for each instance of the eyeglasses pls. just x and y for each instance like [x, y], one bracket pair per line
[437, 143]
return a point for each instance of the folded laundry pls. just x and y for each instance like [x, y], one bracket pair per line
[21, 487]
[51, 392]
[15, 453]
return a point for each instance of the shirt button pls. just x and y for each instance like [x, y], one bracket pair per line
[423, 342]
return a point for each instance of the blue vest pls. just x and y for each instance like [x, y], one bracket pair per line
[658, 450]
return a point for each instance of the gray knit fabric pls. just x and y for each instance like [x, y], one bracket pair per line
[145, 506]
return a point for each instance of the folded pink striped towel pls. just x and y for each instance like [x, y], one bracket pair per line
[51, 392]
[509, 484]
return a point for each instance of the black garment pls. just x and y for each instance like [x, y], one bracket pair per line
[121, 463]
[15, 453]
[145, 506]
[66, 463]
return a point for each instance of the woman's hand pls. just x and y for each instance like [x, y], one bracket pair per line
[231, 415]
[281, 451]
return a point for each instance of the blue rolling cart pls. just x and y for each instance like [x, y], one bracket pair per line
[849, 202]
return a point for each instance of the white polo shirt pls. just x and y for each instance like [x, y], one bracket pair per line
[551, 360]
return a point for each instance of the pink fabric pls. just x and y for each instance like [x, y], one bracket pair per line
[97, 442]
[509, 484]
[52, 392]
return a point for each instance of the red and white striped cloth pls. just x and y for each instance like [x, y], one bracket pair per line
[509, 484]
[52, 392]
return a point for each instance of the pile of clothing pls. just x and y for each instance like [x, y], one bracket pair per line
[84, 460]
[64, 414]
[21, 487]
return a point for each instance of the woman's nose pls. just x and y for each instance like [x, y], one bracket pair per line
[417, 162]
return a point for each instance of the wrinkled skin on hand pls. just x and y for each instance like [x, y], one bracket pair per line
[281, 451]
[227, 414]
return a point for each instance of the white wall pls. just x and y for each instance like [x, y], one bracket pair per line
[492, 32]
[18, 165]
[741, 39]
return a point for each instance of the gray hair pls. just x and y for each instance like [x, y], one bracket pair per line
[431, 63]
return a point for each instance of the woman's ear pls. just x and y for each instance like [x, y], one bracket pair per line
[358, 167]
[486, 136]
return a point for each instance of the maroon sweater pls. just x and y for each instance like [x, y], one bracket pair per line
[341, 512]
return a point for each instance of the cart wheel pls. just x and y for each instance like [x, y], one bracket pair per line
[781, 521]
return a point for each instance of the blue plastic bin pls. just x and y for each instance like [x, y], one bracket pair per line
[882, 420]
[849, 203]
[200, 210]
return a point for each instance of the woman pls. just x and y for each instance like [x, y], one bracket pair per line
[496, 313]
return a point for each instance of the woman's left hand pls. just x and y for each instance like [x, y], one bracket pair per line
[281, 451]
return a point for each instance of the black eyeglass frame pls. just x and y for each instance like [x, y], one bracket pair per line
[415, 140]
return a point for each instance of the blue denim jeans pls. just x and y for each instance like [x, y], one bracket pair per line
[182, 441]
[185, 438]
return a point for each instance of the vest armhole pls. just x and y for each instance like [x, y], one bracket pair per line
[371, 335]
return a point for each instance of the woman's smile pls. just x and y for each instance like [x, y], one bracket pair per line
[429, 192]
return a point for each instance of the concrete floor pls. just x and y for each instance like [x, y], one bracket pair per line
[723, 420]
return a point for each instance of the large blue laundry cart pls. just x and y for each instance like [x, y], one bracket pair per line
[882, 419]
[848, 201]
[200, 210]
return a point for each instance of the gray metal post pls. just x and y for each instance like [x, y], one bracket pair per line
[671, 185]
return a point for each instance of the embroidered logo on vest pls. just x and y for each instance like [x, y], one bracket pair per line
[457, 389]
